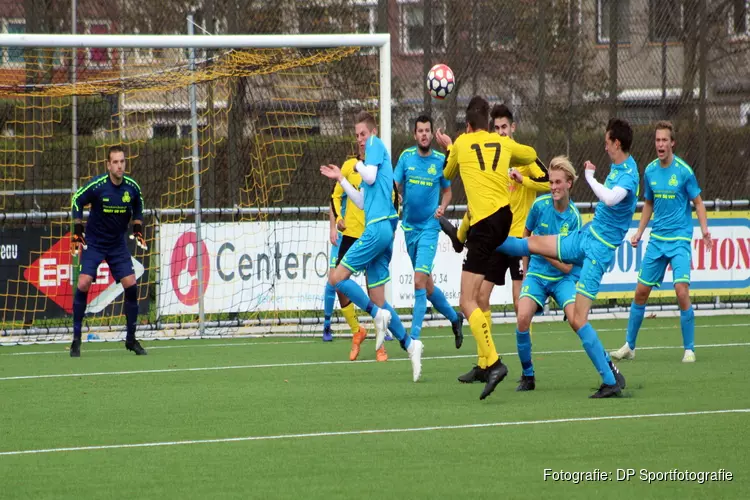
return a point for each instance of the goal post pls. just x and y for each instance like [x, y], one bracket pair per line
[268, 109]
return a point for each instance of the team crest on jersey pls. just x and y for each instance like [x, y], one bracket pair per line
[126, 197]
[432, 170]
[613, 175]
[564, 229]
[673, 180]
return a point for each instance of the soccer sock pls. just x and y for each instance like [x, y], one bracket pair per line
[329, 299]
[350, 315]
[595, 350]
[420, 307]
[131, 311]
[482, 361]
[634, 323]
[687, 323]
[516, 247]
[357, 295]
[481, 330]
[397, 328]
[441, 304]
[523, 343]
[463, 229]
[79, 311]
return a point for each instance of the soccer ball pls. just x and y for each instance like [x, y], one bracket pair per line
[440, 81]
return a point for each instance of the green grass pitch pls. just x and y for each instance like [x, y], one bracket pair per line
[309, 424]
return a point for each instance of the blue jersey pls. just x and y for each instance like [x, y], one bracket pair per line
[379, 196]
[423, 182]
[611, 223]
[671, 190]
[544, 219]
[112, 207]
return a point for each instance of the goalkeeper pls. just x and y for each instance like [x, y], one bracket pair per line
[115, 198]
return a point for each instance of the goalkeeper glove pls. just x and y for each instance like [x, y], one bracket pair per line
[78, 240]
[137, 235]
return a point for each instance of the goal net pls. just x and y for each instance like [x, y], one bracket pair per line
[256, 256]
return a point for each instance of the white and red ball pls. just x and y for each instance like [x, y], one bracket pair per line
[440, 81]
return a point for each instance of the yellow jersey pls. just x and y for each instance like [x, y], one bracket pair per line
[354, 217]
[522, 196]
[483, 158]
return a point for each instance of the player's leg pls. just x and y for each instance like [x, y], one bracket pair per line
[91, 257]
[121, 267]
[422, 270]
[680, 259]
[650, 275]
[347, 306]
[546, 245]
[329, 293]
[457, 235]
[426, 249]
[594, 266]
[530, 299]
[486, 235]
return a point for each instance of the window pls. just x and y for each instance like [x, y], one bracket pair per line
[13, 56]
[412, 28]
[365, 17]
[98, 57]
[603, 22]
[665, 20]
[739, 18]
[496, 25]
[567, 15]
[164, 131]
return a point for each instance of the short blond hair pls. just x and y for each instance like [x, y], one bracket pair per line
[367, 119]
[563, 163]
[665, 125]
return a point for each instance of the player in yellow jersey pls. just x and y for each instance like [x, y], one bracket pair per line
[348, 223]
[526, 182]
[483, 158]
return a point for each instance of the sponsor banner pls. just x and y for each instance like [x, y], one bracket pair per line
[246, 266]
[36, 269]
[724, 271]
[446, 274]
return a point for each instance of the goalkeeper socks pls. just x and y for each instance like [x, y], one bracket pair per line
[634, 323]
[397, 328]
[79, 311]
[420, 307]
[523, 343]
[687, 323]
[595, 350]
[352, 290]
[516, 247]
[463, 228]
[482, 361]
[441, 304]
[350, 315]
[480, 329]
[329, 299]
[131, 312]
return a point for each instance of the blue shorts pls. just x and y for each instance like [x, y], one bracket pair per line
[659, 253]
[594, 256]
[117, 257]
[372, 253]
[422, 247]
[537, 288]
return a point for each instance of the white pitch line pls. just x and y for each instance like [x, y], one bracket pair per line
[318, 363]
[296, 342]
[364, 432]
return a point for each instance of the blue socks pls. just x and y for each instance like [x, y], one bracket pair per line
[329, 300]
[441, 304]
[397, 328]
[361, 300]
[593, 347]
[352, 290]
[516, 247]
[420, 307]
[131, 311]
[634, 323]
[687, 323]
[79, 311]
[523, 343]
